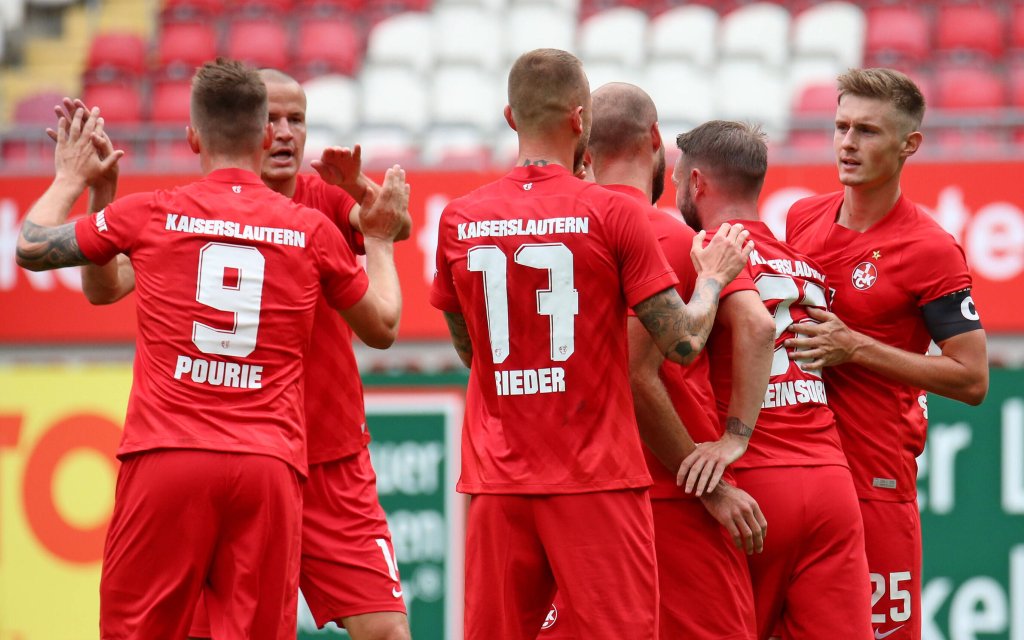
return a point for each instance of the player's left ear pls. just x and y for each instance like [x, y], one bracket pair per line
[911, 144]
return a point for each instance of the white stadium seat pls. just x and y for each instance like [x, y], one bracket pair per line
[759, 30]
[332, 102]
[455, 146]
[394, 96]
[615, 35]
[385, 146]
[684, 33]
[468, 35]
[832, 28]
[602, 73]
[812, 70]
[683, 94]
[749, 91]
[403, 39]
[535, 26]
[466, 95]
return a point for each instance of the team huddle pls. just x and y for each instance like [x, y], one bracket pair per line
[646, 394]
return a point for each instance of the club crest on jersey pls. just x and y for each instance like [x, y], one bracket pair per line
[237, 188]
[864, 275]
[552, 616]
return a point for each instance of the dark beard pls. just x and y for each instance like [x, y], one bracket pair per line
[689, 212]
[658, 181]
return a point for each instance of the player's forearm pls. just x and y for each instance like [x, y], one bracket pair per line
[679, 330]
[964, 379]
[752, 348]
[701, 309]
[45, 241]
[108, 283]
[383, 275]
[359, 190]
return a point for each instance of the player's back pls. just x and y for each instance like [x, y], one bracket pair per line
[795, 425]
[542, 266]
[227, 273]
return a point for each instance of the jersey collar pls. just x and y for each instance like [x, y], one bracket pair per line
[233, 176]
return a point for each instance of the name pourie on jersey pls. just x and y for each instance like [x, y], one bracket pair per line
[788, 267]
[231, 229]
[521, 227]
[218, 373]
[783, 394]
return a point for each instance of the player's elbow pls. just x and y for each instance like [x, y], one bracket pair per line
[380, 337]
[975, 391]
[685, 351]
[29, 257]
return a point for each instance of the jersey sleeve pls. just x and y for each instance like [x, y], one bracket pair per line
[944, 272]
[113, 229]
[642, 264]
[342, 280]
[442, 291]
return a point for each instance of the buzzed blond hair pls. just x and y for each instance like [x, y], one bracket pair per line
[623, 115]
[229, 107]
[543, 86]
[888, 85]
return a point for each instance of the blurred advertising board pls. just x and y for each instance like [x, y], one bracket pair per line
[981, 204]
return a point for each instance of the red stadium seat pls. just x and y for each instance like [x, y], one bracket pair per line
[970, 28]
[191, 10]
[262, 43]
[328, 46]
[968, 88]
[817, 99]
[120, 104]
[1017, 85]
[170, 102]
[116, 55]
[261, 8]
[1017, 28]
[896, 34]
[185, 46]
[811, 143]
[37, 109]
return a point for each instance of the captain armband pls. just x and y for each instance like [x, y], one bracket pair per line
[951, 315]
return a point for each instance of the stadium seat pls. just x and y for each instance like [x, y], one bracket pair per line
[603, 73]
[812, 70]
[114, 56]
[1017, 85]
[896, 35]
[968, 89]
[120, 104]
[455, 148]
[185, 46]
[970, 29]
[37, 109]
[327, 46]
[1017, 29]
[759, 31]
[815, 145]
[262, 43]
[404, 39]
[332, 103]
[384, 146]
[686, 33]
[466, 95]
[682, 94]
[394, 97]
[836, 29]
[261, 8]
[978, 142]
[816, 100]
[615, 36]
[532, 26]
[467, 34]
[191, 11]
[748, 90]
[170, 101]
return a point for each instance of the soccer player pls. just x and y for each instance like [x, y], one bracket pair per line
[349, 573]
[534, 275]
[703, 579]
[228, 275]
[811, 576]
[900, 282]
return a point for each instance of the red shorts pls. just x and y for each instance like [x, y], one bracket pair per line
[348, 561]
[187, 518]
[893, 540]
[598, 548]
[811, 579]
[702, 577]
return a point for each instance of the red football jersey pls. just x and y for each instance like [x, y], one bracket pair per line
[228, 273]
[795, 426]
[335, 418]
[543, 266]
[881, 278]
[689, 387]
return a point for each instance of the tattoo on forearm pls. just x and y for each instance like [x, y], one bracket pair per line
[460, 335]
[665, 316]
[535, 163]
[736, 427]
[50, 247]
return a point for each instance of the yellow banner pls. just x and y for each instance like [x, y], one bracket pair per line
[59, 430]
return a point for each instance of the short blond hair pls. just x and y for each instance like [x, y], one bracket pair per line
[888, 85]
[229, 106]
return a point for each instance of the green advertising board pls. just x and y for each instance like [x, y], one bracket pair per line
[415, 455]
[971, 494]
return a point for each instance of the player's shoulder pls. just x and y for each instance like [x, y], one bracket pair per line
[922, 224]
[667, 226]
[813, 206]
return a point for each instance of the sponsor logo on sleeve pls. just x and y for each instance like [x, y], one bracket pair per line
[101, 221]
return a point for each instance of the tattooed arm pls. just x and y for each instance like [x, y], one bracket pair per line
[460, 336]
[45, 241]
